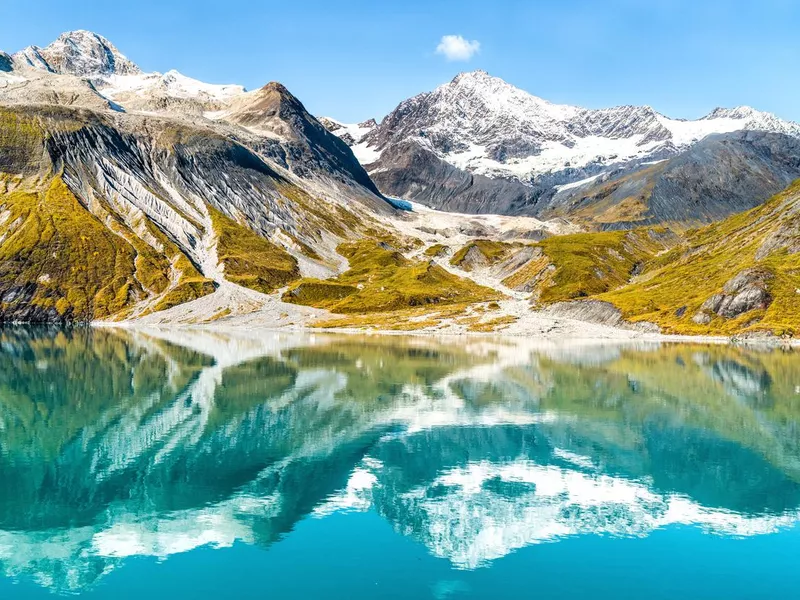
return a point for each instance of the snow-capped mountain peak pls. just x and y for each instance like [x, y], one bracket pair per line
[478, 101]
[738, 112]
[82, 53]
[493, 88]
[484, 125]
[749, 118]
[89, 56]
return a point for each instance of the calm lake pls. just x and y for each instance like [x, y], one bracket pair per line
[189, 464]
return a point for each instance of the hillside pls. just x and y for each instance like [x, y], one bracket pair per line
[110, 215]
[739, 275]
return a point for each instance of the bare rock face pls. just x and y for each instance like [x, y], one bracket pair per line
[708, 181]
[6, 64]
[597, 311]
[473, 259]
[748, 290]
[329, 124]
[413, 172]
[593, 311]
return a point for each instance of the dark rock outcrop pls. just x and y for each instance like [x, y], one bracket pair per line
[748, 290]
[415, 173]
[596, 311]
[6, 63]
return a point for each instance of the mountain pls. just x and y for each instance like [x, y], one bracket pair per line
[109, 211]
[463, 146]
[81, 53]
[274, 112]
[712, 179]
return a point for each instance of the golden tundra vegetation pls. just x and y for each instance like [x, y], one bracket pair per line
[653, 274]
[674, 286]
[58, 261]
[586, 264]
[381, 279]
[250, 259]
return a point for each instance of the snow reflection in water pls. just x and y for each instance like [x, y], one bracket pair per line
[117, 444]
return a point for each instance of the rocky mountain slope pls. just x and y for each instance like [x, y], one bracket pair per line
[112, 212]
[478, 144]
[125, 194]
[714, 178]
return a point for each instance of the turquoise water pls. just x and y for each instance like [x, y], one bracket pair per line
[184, 464]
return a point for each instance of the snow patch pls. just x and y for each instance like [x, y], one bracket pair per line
[172, 83]
[577, 184]
[365, 154]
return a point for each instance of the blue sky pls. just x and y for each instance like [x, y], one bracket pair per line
[357, 59]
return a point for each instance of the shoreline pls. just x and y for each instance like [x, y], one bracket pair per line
[613, 335]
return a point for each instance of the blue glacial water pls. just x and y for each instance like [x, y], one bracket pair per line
[192, 464]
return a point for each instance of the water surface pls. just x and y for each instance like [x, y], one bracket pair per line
[188, 464]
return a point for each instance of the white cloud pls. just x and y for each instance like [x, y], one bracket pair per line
[455, 47]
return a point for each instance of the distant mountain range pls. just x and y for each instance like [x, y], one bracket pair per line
[158, 198]
[467, 145]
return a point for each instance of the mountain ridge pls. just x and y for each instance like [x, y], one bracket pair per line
[457, 106]
[481, 126]
[179, 205]
[205, 203]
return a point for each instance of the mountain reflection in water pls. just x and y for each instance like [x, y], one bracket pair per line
[116, 444]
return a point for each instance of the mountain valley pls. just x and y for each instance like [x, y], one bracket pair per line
[157, 199]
